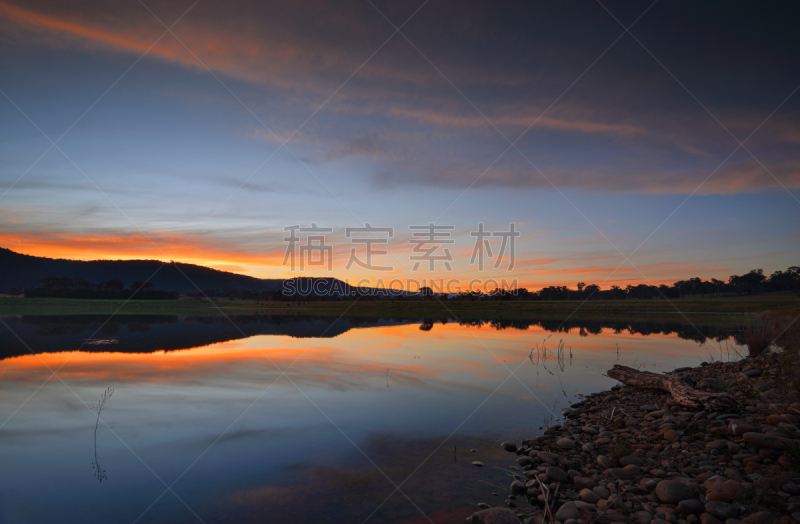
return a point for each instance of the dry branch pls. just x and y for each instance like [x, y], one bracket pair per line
[683, 394]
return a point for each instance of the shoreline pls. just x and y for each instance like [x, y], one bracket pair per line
[636, 455]
[783, 302]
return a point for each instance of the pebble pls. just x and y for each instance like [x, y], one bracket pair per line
[626, 473]
[556, 474]
[587, 495]
[605, 462]
[602, 492]
[493, 516]
[509, 446]
[760, 440]
[567, 511]
[637, 456]
[546, 456]
[583, 482]
[518, 488]
[722, 510]
[630, 459]
[787, 417]
[691, 507]
[761, 517]
[708, 518]
[565, 443]
[673, 491]
[791, 488]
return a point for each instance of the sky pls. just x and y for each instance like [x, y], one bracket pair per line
[627, 142]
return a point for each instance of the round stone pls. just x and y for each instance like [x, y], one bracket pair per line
[556, 474]
[722, 510]
[762, 517]
[565, 443]
[587, 495]
[630, 459]
[509, 445]
[605, 462]
[567, 511]
[494, 516]
[518, 487]
[673, 491]
[791, 488]
[691, 507]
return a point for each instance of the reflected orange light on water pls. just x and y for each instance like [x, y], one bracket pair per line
[365, 352]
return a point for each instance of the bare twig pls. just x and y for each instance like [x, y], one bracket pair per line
[99, 472]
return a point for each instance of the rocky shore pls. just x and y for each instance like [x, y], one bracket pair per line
[637, 455]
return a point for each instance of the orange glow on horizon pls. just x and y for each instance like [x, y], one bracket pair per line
[268, 263]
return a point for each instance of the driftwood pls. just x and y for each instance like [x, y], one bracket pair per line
[683, 394]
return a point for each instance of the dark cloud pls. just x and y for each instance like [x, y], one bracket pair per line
[429, 110]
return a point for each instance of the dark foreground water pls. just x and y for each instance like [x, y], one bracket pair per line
[285, 420]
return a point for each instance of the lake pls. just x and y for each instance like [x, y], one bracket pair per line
[285, 419]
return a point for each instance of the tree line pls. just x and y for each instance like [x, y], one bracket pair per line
[750, 283]
[65, 287]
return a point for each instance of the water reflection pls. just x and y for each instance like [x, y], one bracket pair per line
[149, 333]
[250, 444]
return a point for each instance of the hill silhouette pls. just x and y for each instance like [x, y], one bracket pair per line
[24, 271]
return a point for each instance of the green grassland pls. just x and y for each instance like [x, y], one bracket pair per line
[786, 303]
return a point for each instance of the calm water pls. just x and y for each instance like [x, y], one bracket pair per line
[293, 420]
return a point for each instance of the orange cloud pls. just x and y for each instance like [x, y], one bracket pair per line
[518, 121]
[238, 54]
[45, 23]
[272, 50]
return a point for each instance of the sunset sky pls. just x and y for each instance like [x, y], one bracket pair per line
[597, 144]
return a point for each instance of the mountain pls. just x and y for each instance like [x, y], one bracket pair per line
[24, 271]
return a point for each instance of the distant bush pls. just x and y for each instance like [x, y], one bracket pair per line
[108, 294]
[65, 287]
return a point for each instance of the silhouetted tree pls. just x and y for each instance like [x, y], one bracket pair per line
[136, 285]
[114, 284]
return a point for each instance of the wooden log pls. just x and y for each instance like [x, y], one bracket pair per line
[683, 394]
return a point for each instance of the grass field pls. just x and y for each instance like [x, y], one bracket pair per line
[787, 303]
